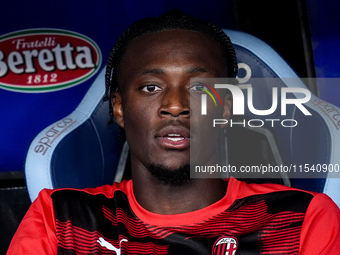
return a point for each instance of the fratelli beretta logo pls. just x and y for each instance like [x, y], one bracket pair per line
[42, 60]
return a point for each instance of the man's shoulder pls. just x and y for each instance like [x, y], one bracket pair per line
[81, 205]
[107, 191]
[282, 197]
[276, 197]
[246, 189]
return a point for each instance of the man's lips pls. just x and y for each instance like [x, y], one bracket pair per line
[174, 137]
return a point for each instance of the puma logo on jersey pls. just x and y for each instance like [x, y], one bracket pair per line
[109, 246]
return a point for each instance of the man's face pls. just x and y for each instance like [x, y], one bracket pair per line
[155, 94]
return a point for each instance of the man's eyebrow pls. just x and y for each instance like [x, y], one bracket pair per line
[193, 69]
[151, 71]
[196, 69]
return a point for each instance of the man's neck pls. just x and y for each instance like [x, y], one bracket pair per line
[161, 198]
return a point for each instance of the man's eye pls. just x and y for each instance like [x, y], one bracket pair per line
[150, 88]
[198, 87]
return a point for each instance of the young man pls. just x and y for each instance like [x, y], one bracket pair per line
[161, 210]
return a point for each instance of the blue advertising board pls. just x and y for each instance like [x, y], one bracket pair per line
[51, 52]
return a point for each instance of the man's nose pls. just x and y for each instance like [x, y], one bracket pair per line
[175, 103]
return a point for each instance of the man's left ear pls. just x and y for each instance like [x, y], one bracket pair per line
[117, 108]
[228, 100]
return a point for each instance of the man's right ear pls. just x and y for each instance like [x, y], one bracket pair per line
[117, 108]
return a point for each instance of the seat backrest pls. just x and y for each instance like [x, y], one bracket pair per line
[81, 150]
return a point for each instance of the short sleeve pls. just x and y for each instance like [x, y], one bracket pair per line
[320, 232]
[36, 233]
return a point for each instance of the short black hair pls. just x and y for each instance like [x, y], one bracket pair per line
[172, 20]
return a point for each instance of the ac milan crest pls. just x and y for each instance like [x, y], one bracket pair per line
[225, 246]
